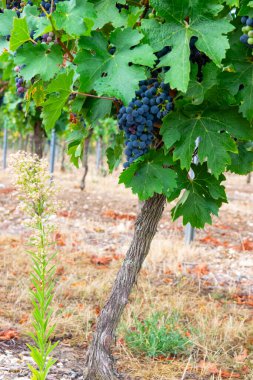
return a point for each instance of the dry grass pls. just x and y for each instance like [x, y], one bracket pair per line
[219, 329]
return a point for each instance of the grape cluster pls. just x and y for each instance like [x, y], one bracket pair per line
[14, 5]
[140, 119]
[11, 4]
[198, 57]
[247, 37]
[48, 37]
[20, 83]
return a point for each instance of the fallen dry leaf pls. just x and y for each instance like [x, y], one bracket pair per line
[212, 369]
[8, 335]
[118, 215]
[97, 310]
[213, 241]
[241, 299]
[60, 271]
[208, 367]
[200, 269]
[23, 320]
[103, 260]
[7, 190]
[230, 375]
[66, 214]
[59, 240]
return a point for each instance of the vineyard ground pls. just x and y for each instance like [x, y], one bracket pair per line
[210, 283]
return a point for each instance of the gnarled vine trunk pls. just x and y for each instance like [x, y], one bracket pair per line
[38, 138]
[63, 151]
[99, 361]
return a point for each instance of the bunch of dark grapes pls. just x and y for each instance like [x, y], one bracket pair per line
[14, 5]
[247, 37]
[198, 57]
[20, 83]
[140, 119]
[11, 4]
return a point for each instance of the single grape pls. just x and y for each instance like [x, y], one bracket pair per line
[249, 21]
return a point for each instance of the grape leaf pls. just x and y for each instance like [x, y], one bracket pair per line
[233, 3]
[104, 72]
[59, 90]
[37, 93]
[108, 13]
[19, 34]
[177, 32]
[216, 132]
[241, 163]
[150, 174]
[6, 22]
[202, 197]
[97, 109]
[114, 152]
[246, 8]
[39, 60]
[39, 25]
[240, 79]
[75, 17]
[197, 90]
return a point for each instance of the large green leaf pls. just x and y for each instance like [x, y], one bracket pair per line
[112, 74]
[75, 17]
[39, 60]
[108, 13]
[202, 197]
[177, 32]
[149, 175]
[216, 131]
[59, 90]
[242, 163]
[6, 22]
[239, 80]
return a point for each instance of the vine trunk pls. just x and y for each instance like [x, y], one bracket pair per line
[99, 361]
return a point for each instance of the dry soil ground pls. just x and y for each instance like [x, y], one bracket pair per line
[209, 284]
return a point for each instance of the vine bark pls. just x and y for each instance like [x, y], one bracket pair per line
[85, 158]
[99, 361]
[38, 138]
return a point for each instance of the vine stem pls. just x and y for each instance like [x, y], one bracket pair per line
[145, 11]
[93, 96]
[63, 46]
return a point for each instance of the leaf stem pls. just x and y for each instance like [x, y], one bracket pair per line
[93, 96]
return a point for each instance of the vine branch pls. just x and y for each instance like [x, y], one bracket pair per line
[63, 46]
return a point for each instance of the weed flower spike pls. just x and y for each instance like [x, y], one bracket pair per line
[37, 201]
